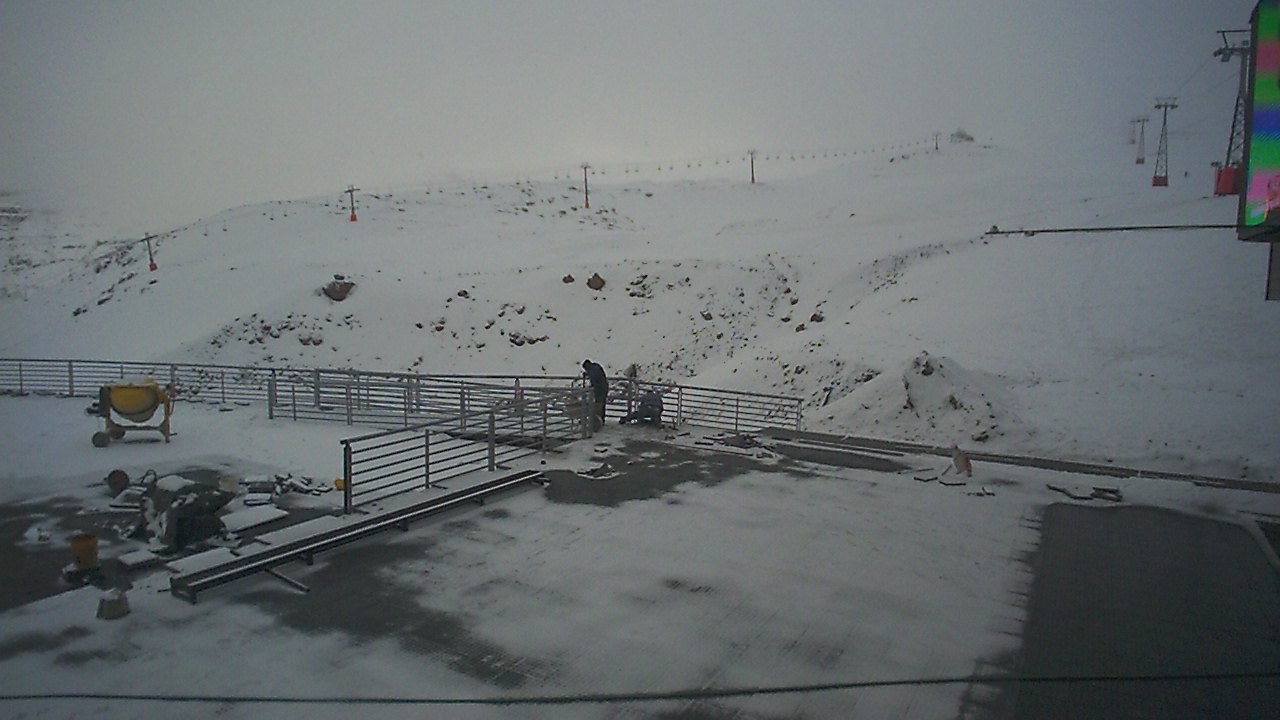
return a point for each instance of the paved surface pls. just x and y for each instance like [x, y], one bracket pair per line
[33, 569]
[1066, 466]
[694, 565]
[1133, 591]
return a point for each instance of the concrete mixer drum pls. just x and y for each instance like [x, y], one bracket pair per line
[135, 402]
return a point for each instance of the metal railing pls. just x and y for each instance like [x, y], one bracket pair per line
[216, 384]
[446, 424]
[390, 398]
[382, 464]
[383, 398]
[721, 409]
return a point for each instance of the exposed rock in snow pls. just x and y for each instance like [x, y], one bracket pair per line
[338, 289]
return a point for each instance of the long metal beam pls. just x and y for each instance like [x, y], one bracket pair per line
[1111, 229]
[188, 586]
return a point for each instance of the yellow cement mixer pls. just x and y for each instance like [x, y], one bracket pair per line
[135, 401]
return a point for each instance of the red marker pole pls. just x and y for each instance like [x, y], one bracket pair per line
[586, 192]
[151, 257]
[351, 195]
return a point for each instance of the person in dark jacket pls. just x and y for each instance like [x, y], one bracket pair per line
[648, 411]
[599, 386]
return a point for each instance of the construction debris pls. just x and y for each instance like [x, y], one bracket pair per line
[113, 604]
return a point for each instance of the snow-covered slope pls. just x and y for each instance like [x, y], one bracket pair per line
[865, 285]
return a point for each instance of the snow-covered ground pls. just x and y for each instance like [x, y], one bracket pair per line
[864, 284]
[829, 279]
[746, 571]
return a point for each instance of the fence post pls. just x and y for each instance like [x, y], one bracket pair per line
[222, 379]
[519, 406]
[462, 410]
[737, 408]
[349, 414]
[315, 381]
[542, 407]
[271, 396]
[799, 416]
[173, 376]
[346, 478]
[293, 398]
[21, 389]
[680, 405]
[426, 456]
[493, 445]
[71, 378]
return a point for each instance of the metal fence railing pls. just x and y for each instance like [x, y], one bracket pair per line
[382, 464]
[734, 410]
[447, 417]
[721, 409]
[81, 378]
[387, 398]
[382, 398]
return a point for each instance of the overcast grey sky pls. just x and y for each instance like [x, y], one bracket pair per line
[169, 110]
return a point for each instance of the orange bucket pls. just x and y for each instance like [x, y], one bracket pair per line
[85, 548]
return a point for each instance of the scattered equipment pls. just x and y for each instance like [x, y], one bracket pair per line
[135, 401]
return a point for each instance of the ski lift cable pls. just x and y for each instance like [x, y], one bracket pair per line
[1193, 75]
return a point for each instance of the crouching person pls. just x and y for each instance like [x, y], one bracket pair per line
[648, 411]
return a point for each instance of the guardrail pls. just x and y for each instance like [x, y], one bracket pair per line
[363, 397]
[447, 424]
[724, 410]
[390, 398]
[82, 378]
[382, 464]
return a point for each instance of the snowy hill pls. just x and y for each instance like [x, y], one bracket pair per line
[864, 284]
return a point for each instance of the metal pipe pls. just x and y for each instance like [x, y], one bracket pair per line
[493, 445]
[426, 457]
[543, 409]
[346, 478]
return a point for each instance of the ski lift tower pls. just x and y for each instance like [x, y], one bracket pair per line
[1227, 181]
[1161, 176]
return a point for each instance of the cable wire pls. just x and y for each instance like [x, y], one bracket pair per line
[1187, 82]
[657, 696]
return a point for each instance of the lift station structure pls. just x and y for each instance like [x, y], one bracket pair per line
[1230, 175]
